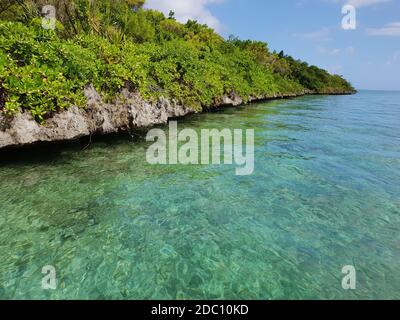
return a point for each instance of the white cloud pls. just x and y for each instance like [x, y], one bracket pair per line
[335, 69]
[394, 59]
[361, 3]
[333, 52]
[391, 29]
[188, 10]
[351, 50]
[319, 35]
[365, 3]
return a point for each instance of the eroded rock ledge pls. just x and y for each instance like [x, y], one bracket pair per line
[128, 112]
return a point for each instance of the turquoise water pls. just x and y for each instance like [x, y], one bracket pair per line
[325, 193]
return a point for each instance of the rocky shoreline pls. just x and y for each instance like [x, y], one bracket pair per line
[129, 112]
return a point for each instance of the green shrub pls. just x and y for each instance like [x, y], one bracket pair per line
[117, 44]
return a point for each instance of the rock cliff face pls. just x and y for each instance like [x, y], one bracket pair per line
[128, 112]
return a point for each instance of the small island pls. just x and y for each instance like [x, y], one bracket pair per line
[100, 67]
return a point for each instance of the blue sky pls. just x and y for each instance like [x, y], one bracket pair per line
[311, 30]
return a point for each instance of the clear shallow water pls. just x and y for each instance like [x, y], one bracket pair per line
[325, 193]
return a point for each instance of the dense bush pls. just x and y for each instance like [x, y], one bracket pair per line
[115, 44]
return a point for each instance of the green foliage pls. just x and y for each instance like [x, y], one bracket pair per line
[140, 27]
[117, 44]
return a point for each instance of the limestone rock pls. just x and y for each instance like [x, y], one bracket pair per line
[127, 112]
